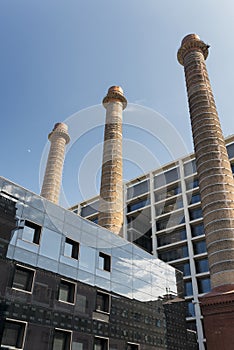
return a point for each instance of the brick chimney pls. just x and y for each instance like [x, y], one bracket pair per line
[53, 174]
[111, 192]
[216, 189]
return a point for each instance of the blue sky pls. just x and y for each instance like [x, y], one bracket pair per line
[58, 59]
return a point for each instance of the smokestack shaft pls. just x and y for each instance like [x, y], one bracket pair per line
[111, 192]
[53, 174]
[213, 166]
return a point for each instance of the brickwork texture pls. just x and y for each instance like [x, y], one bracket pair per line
[111, 192]
[53, 174]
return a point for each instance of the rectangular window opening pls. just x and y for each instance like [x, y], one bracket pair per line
[61, 340]
[197, 230]
[104, 262]
[23, 278]
[67, 292]
[100, 344]
[138, 189]
[31, 232]
[199, 247]
[71, 248]
[13, 334]
[103, 302]
[204, 285]
[190, 309]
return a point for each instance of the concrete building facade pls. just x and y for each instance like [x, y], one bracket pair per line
[163, 215]
[174, 215]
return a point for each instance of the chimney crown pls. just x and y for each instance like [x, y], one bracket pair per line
[191, 42]
[115, 93]
[60, 129]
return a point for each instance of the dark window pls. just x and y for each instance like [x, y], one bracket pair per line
[192, 184]
[100, 344]
[190, 168]
[79, 345]
[171, 237]
[167, 193]
[230, 150]
[203, 285]
[232, 167]
[166, 177]
[142, 239]
[194, 199]
[161, 225]
[138, 189]
[71, 248]
[104, 262]
[23, 278]
[188, 288]
[62, 340]
[103, 302]
[192, 325]
[81, 303]
[172, 220]
[185, 268]
[31, 232]
[67, 291]
[197, 230]
[174, 254]
[174, 191]
[90, 209]
[202, 265]
[13, 334]
[132, 346]
[169, 206]
[138, 205]
[95, 220]
[199, 247]
[195, 213]
[190, 310]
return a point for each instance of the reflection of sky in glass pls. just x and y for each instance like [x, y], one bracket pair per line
[28, 233]
[101, 262]
[134, 273]
[68, 249]
[50, 244]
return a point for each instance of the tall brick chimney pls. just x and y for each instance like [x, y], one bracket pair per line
[216, 189]
[111, 192]
[53, 174]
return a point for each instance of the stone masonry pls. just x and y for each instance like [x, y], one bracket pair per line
[213, 167]
[111, 192]
[53, 174]
[217, 195]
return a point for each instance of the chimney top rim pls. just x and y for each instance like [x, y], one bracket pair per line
[190, 37]
[116, 88]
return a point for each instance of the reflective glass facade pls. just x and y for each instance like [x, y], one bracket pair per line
[62, 232]
[79, 286]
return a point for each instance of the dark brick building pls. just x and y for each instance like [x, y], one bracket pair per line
[68, 284]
